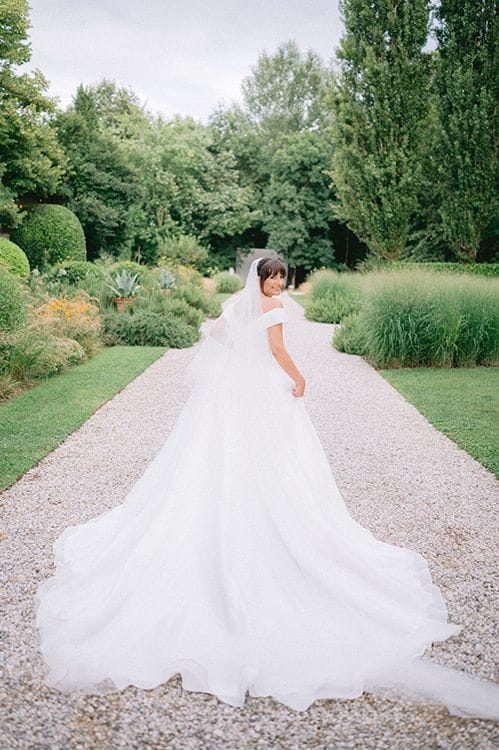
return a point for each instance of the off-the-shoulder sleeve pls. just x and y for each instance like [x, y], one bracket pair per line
[276, 315]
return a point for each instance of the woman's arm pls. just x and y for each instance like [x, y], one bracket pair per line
[284, 359]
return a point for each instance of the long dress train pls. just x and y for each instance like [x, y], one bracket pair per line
[234, 561]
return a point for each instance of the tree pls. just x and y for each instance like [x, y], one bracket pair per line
[101, 186]
[466, 149]
[189, 188]
[31, 161]
[297, 202]
[283, 95]
[379, 105]
[285, 91]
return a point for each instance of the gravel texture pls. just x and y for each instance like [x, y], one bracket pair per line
[401, 478]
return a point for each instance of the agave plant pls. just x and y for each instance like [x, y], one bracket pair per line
[125, 284]
[166, 279]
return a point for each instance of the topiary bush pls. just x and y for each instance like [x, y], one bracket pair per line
[50, 233]
[13, 309]
[13, 258]
[74, 272]
[227, 283]
[145, 328]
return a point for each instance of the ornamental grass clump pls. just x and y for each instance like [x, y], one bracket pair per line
[334, 296]
[417, 318]
[50, 334]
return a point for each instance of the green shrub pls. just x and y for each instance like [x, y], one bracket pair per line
[164, 303]
[418, 318]
[13, 309]
[187, 275]
[145, 328]
[349, 337]
[99, 290]
[329, 310]
[481, 269]
[50, 233]
[13, 258]
[228, 283]
[334, 296]
[193, 295]
[125, 265]
[183, 250]
[373, 263]
[74, 272]
[214, 305]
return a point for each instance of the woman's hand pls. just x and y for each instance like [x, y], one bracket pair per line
[299, 388]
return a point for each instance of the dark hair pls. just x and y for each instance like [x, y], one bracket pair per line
[269, 267]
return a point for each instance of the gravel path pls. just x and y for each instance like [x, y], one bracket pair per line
[401, 478]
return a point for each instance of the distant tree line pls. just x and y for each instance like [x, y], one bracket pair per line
[390, 152]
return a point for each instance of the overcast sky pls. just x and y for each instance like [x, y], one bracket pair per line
[179, 57]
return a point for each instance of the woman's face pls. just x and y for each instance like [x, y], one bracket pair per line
[273, 285]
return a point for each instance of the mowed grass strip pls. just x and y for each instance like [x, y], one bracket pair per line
[463, 403]
[37, 421]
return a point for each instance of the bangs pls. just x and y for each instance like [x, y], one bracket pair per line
[271, 267]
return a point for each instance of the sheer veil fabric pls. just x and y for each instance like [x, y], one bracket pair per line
[234, 561]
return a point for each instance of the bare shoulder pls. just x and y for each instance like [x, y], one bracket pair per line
[271, 303]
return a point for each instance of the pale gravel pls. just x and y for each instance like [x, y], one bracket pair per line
[400, 477]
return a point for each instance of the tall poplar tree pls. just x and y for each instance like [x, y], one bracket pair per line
[380, 104]
[466, 151]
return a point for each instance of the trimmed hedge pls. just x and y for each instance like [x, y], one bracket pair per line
[481, 269]
[13, 258]
[13, 309]
[50, 233]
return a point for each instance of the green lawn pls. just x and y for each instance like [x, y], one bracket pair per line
[37, 421]
[463, 403]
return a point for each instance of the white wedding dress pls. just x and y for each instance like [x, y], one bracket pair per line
[234, 561]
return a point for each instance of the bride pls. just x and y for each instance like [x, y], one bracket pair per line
[234, 561]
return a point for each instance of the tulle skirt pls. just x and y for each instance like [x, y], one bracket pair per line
[234, 561]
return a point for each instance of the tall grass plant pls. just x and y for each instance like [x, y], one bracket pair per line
[416, 318]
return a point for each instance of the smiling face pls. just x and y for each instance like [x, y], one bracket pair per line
[271, 273]
[273, 284]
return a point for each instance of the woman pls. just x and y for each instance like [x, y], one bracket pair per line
[234, 560]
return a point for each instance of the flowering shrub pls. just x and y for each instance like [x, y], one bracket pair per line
[75, 318]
